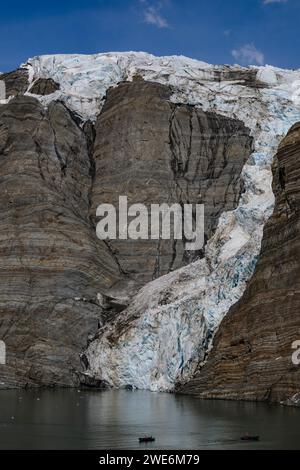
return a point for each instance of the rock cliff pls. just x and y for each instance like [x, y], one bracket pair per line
[251, 358]
[154, 152]
[77, 131]
[52, 266]
[55, 171]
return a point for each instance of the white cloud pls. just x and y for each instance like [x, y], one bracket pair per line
[267, 2]
[248, 54]
[152, 14]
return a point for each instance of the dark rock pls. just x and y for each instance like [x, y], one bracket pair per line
[16, 82]
[92, 382]
[243, 77]
[44, 86]
[252, 354]
[154, 151]
[54, 172]
[49, 252]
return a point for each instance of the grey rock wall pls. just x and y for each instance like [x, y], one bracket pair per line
[252, 354]
[54, 171]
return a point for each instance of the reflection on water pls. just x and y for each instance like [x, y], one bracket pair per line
[72, 419]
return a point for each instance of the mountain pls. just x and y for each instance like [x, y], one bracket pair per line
[77, 131]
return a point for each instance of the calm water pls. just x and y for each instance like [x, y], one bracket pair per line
[115, 419]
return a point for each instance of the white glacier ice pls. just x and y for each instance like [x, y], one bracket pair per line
[168, 327]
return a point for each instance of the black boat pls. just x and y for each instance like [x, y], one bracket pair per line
[147, 439]
[247, 437]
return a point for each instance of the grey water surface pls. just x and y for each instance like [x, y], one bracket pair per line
[76, 419]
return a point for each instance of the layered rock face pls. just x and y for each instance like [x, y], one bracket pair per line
[50, 255]
[53, 177]
[16, 82]
[252, 354]
[44, 86]
[156, 152]
[77, 131]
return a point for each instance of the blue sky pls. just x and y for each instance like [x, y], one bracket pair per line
[216, 31]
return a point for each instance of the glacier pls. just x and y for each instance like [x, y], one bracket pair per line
[167, 330]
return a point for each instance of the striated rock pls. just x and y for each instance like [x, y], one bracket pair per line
[44, 86]
[55, 274]
[67, 300]
[243, 77]
[52, 266]
[252, 354]
[16, 82]
[155, 152]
